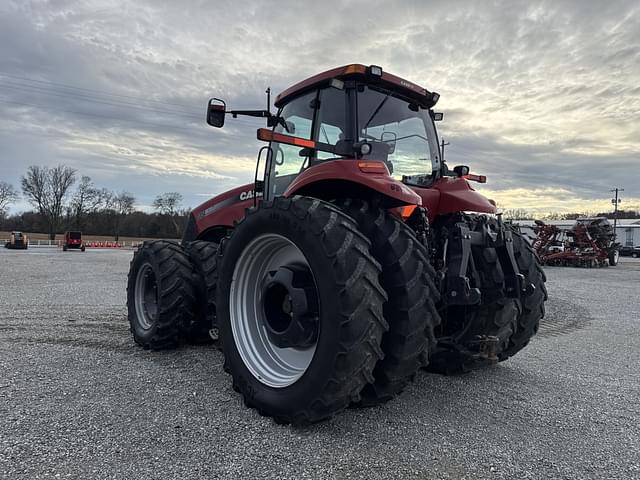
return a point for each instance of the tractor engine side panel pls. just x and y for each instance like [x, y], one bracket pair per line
[221, 211]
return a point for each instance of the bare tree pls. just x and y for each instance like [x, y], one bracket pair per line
[8, 195]
[517, 214]
[87, 200]
[169, 204]
[47, 188]
[120, 204]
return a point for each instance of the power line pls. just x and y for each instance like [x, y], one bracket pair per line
[100, 96]
[157, 125]
[99, 92]
[27, 88]
[98, 115]
[51, 86]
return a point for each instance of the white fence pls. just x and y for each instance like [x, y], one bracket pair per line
[88, 244]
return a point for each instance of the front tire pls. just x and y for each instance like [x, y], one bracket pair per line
[299, 309]
[160, 294]
[614, 255]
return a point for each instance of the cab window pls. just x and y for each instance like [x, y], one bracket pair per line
[297, 118]
[331, 120]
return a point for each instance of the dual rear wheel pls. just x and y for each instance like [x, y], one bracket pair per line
[300, 293]
[170, 293]
[320, 307]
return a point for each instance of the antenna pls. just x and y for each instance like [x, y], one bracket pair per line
[268, 92]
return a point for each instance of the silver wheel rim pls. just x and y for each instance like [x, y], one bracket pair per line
[146, 296]
[271, 365]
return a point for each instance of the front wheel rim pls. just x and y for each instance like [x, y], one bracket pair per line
[273, 366]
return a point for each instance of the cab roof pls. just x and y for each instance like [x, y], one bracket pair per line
[371, 75]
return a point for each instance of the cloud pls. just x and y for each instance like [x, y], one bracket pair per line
[543, 97]
[555, 200]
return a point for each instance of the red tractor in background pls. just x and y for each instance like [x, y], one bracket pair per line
[356, 256]
[73, 240]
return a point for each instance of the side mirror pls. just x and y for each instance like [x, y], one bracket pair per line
[306, 152]
[216, 111]
[390, 139]
[461, 170]
[438, 116]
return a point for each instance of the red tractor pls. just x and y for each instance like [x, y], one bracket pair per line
[73, 241]
[354, 258]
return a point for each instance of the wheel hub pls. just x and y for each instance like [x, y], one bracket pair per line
[290, 307]
[272, 279]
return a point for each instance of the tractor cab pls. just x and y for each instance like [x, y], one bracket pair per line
[355, 113]
[349, 113]
[357, 128]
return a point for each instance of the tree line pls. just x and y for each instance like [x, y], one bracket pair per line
[98, 211]
[523, 214]
[59, 207]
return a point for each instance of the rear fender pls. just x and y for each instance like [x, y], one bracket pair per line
[343, 178]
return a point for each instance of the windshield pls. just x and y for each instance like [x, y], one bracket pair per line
[400, 134]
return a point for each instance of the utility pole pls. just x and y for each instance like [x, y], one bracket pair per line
[443, 145]
[615, 202]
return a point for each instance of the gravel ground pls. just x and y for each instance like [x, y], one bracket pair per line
[79, 400]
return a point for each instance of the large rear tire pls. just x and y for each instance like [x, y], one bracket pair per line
[408, 278]
[533, 304]
[203, 258]
[160, 294]
[299, 309]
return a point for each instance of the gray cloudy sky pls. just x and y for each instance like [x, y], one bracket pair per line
[543, 97]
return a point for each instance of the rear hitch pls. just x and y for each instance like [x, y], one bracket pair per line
[513, 279]
[457, 289]
[459, 240]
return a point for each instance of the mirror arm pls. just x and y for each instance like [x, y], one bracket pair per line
[272, 120]
[251, 113]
